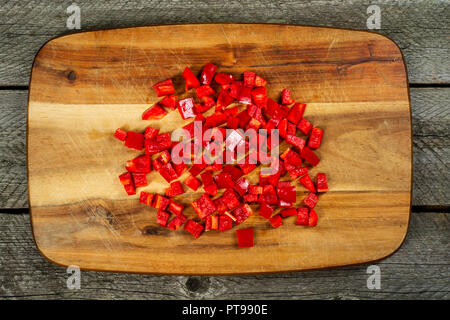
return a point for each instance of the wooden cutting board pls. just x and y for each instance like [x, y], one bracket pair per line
[84, 86]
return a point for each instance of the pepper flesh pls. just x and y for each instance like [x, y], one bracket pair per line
[245, 237]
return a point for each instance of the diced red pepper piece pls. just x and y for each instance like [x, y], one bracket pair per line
[204, 90]
[150, 133]
[192, 182]
[130, 189]
[125, 178]
[212, 223]
[207, 178]
[259, 96]
[233, 89]
[120, 134]
[286, 97]
[288, 212]
[168, 172]
[197, 168]
[208, 102]
[203, 206]
[193, 228]
[233, 122]
[242, 213]
[160, 202]
[223, 100]
[250, 198]
[169, 102]
[296, 112]
[321, 182]
[216, 119]
[235, 172]
[315, 139]
[164, 88]
[291, 129]
[245, 237]
[151, 147]
[255, 189]
[295, 141]
[245, 96]
[270, 108]
[260, 82]
[312, 221]
[220, 205]
[223, 78]
[176, 222]
[307, 183]
[214, 167]
[190, 79]
[146, 198]
[297, 172]
[269, 195]
[293, 158]
[211, 189]
[304, 126]
[230, 215]
[140, 179]
[155, 112]
[134, 140]
[286, 193]
[242, 186]
[179, 168]
[225, 222]
[282, 128]
[164, 157]
[311, 200]
[310, 156]
[265, 210]
[231, 111]
[249, 79]
[175, 208]
[208, 73]
[186, 108]
[302, 216]
[157, 164]
[224, 180]
[162, 217]
[175, 189]
[230, 199]
[244, 118]
[276, 221]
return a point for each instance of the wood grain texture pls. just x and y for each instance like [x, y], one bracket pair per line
[420, 269]
[420, 28]
[356, 89]
[431, 142]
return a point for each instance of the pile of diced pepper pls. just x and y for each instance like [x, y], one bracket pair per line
[232, 207]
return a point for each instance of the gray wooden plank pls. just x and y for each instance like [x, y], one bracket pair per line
[420, 269]
[431, 130]
[420, 28]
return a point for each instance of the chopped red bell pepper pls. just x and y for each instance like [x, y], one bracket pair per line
[245, 96]
[265, 210]
[146, 198]
[286, 193]
[296, 112]
[192, 182]
[223, 78]
[164, 88]
[186, 108]
[176, 222]
[297, 172]
[282, 128]
[276, 221]
[169, 102]
[168, 172]
[259, 96]
[307, 183]
[220, 205]
[208, 73]
[286, 97]
[312, 221]
[304, 126]
[288, 212]
[130, 189]
[242, 186]
[175, 208]
[291, 129]
[309, 156]
[315, 139]
[235, 172]
[160, 202]
[302, 216]
[212, 223]
[140, 179]
[269, 195]
[164, 141]
[190, 79]
[260, 82]
[224, 180]
[249, 79]
[134, 140]
[216, 119]
[321, 182]
[155, 112]
[245, 237]
[295, 141]
[162, 217]
[233, 122]
[242, 213]
[193, 228]
[311, 200]
[164, 157]
[139, 164]
[251, 198]
[233, 89]
[197, 168]
[255, 189]
[157, 164]
[125, 178]
[230, 199]
[204, 90]
[203, 206]
[151, 147]
[150, 133]
[175, 189]
[120, 134]
[225, 222]
[179, 168]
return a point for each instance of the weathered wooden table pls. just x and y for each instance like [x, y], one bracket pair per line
[419, 269]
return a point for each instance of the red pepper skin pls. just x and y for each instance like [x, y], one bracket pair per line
[244, 118]
[249, 198]
[220, 205]
[169, 102]
[230, 199]
[125, 178]
[216, 119]
[315, 139]
[150, 133]
[255, 189]
[179, 168]
[208, 73]
[233, 122]
[162, 217]
[233, 89]
[139, 164]
[286, 193]
[260, 82]
[232, 111]
[160, 202]
[157, 164]
[207, 178]
[321, 182]
[212, 223]
[208, 102]
[288, 212]
[224, 180]
[204, 90]
[245, 96]
[291, 129]
[140, 179]
[211, 189]
[155, 112]
[286, 97]
[225, 223]
[134, 140]
[175, 208]
[245, 237]
[197, 168]
[146, 198]
[269, 195]
[307, 183]
[304, 126]
[242, 186]
[242, 213]
[235, 172]
[259, 96]
[311, 200]
[310, 156]
[193, 228]
[120, 134]
[203, 206]
[297, 172]
[175, 189]
[164, 141]
[249, 79]
[276, 221]
[270, 108]
[168, 172]
[176, 222]
[296, 112]
[223, 78]
[190, 79]
[164, 88]
[294, 158]
[130, 189]
[296, 141]
[186, 108]
[282, 128]
[151, 147]
[312, 221]
[164, 157]
[192, 182]
[265, 210]
[302, 216]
